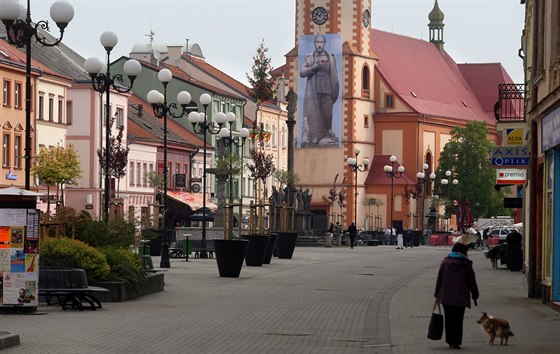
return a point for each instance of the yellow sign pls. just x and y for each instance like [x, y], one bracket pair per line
[514, 137]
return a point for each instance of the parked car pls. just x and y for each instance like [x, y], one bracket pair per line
[501, 233]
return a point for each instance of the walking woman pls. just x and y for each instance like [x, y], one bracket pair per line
[456, 282]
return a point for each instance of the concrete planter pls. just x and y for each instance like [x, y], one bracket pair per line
[119, 291]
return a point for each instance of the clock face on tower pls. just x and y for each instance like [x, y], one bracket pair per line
[320, 15]
[366, 17]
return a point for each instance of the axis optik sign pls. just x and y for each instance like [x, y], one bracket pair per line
[511, 176]
[510, 156]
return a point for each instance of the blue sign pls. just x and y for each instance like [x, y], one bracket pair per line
[510, 161]
[551, 130]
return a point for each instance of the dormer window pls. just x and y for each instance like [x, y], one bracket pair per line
[389, 101]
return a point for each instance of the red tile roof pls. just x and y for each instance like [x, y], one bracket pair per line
[428, 80]
[484, 80]
[377, 175]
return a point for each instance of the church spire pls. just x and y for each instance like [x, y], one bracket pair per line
[436, 25]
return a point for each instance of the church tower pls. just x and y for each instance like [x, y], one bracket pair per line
[436, 26]
[335, 102]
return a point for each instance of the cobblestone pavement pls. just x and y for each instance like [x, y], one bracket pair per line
[324, 300]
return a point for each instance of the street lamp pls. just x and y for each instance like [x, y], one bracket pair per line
[20, 29]
[393, 173]
[445, 183]
[422, 179]
[228, 140]
[354, 166]
[103, 83]
[201, 125]
[161, 110]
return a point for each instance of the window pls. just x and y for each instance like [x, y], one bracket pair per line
[60, 110]
[266, 129]
[145, 172]
[366, 121]
[69, 112]
[51, 109]
[131, 168]
[17, 149]
[151, 173]
[41, 107]
[389, 101]
[6, 93]
[273, 135]
[6, 150]
[138, 174]
[17, 95]
[365, 82]
[120, 115]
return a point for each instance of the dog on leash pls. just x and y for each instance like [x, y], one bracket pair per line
[495, 327]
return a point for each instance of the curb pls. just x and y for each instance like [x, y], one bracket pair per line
[8, 340]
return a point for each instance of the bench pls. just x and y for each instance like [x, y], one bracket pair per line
[197, 248]
[176, 249]
[70, 288]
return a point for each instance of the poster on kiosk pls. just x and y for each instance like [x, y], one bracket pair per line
[19, 253]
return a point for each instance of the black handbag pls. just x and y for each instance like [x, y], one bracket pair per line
[435, 330]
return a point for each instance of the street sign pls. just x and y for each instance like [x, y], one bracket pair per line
[515, 136]
[510, 161]
[513, 203]
[511, 176]
[510, 156]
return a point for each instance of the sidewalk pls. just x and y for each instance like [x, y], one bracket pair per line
[324, 300]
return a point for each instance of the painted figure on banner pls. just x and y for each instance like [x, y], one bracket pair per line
[321, 118]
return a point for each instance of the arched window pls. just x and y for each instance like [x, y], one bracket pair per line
[365, 82]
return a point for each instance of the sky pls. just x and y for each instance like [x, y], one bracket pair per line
[229, 31]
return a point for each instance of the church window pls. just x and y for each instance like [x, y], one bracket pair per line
[365, 82]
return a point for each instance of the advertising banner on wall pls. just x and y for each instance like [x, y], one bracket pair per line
[319, 91]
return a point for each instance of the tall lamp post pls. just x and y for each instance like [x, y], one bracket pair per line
[102, 83]
[20, 29]
[393, 173]
[447, 182]
[201, 125]
[352, 162]
[229, 140]
[422, 179]
[161, 110]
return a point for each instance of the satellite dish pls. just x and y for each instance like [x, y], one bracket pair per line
[157, 54]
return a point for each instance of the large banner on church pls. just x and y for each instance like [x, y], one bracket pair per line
[319, 91]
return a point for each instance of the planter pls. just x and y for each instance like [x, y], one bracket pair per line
[256, 249]
[229, 256]
[119, 291]
[270, 248]
[285, 244]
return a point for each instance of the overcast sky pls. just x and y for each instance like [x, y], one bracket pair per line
[229, 31]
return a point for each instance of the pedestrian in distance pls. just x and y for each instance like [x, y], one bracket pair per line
[399, 237]
[408, 238]
[455, 285]
[352, 231]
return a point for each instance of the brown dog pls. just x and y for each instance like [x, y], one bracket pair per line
[495, 327]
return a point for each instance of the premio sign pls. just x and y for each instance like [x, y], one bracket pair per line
[511, 176]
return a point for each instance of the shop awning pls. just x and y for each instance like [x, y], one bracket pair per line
[194, 200]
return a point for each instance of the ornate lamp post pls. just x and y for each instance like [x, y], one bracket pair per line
[445, 182]
[352, 162]
[20, 29]
[229, 140]
[422, 179]
[201, 125]
[161, 110]
[393, 173]
[103, 83]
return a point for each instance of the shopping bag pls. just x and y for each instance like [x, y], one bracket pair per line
[435, 330]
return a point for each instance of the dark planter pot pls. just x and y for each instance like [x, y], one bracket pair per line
[256, 250]
[229, 256]
[285, 244]
[270, 248]
[119, 291]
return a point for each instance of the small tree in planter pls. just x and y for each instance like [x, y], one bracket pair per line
[261, 167]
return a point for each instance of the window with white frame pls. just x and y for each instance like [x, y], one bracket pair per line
[51, 109]
[139, 174]
[144, 172]
[120, 116]
[131, 174]
[60, 110]
[17, 95]
[69, 112]
[6, 150]
[6, 93]
[17, 149]
[273, 137]
[41, 108]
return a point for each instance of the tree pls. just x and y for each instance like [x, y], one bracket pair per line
[369, 202]
[118, 155]
[57, 166]
[467, 156]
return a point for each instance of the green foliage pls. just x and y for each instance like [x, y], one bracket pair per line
[262, 166]
[126, 266]
[65, 218]
[66, 252]
[287, 178]
[261, 80]
[57, 165]
[227, 165]
[467, 156]
[118, 233]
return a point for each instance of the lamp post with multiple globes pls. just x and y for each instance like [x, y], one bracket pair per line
[393, 173]
[352, 162]
[422, 179]
[103, 83]
[20, 30]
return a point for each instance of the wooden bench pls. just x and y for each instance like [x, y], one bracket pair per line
[197, 248]
[70, 288]
[176, 249]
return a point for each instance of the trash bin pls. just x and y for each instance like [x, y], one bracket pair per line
[514, 252]
[187, 246]
[328, 239]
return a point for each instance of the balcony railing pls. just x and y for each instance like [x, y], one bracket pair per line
[511, 103]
